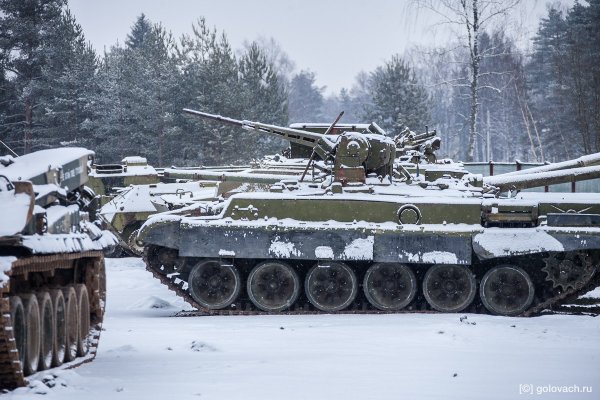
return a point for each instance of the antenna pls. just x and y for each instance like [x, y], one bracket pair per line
[312, 155]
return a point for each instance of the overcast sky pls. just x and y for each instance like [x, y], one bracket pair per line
[335, 39]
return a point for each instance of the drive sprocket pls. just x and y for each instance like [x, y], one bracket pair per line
[568, 270]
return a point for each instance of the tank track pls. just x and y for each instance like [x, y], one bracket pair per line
[178, 287]
[11, 370]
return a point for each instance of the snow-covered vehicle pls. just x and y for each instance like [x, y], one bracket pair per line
[130, 208]
[52, 281]
[432, 240]
[108, 179]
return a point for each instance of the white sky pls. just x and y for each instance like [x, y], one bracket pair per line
[314, 33]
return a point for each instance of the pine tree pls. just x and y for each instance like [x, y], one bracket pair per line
[305, 101]
[398, 99]
[210, 83]
[564, 76]
[136, 104]
[29, 33]
[264, 98]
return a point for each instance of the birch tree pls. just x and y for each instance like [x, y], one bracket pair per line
[471, 17]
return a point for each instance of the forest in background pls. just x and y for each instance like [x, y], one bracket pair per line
[488, 99]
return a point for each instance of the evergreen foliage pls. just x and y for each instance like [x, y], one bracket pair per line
[55, 90]
[305, 98]
[398, 100]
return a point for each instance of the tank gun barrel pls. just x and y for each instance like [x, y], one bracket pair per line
[583, 161]
[525, 181]
[322, 144]
[422, 137]
[220, 176]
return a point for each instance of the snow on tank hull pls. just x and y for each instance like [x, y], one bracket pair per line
[52, 279]
[368, 234]
[252, 234]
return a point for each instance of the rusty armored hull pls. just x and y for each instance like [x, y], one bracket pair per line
[52, 278]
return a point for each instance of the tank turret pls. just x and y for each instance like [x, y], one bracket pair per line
[354, 155]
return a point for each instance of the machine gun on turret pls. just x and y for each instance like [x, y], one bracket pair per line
[415, 147]
[354, 154]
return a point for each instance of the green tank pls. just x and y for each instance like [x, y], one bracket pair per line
[367, 235]
[107, 179]
[125, 213]
[52, 279]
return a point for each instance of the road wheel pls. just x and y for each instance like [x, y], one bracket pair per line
[390, 286]
[48, 335]
[83, 306]
[72, 319]
[60, 327]
[32, 342]
[214, 285]
[449, 288]
[331, 286]
[506, 290]
[273, 286]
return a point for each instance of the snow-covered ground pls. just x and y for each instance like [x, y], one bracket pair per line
[145, 353]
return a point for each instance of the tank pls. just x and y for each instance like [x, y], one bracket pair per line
[367, 235]
[52, 279]
[125, 213]
[107, 180]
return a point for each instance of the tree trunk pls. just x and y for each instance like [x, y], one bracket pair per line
[28, 127]
[473, 36]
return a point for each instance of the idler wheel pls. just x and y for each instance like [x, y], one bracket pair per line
[60, 327]
[162, 259]
[48, 336]
[83, 306]
[506, 290]
[214, 285]
[72, 323]
[17, 317]
[135, 246]
[273, 286]
[331, 286]
[32, 341]
[390, 286]
[449, 288]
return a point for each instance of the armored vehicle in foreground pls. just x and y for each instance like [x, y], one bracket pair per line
[52, 280]
[366, 235]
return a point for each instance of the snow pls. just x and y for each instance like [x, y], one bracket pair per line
[439, 257]
[500, 242]
[594, 294]
[139, 198]
[135, 160]
[69, 243]
[145, 353]
[360, 249]
[55, 213]
[324, 252]
[283, 249]
[13, 213]
[5, 266]
[30, 165]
